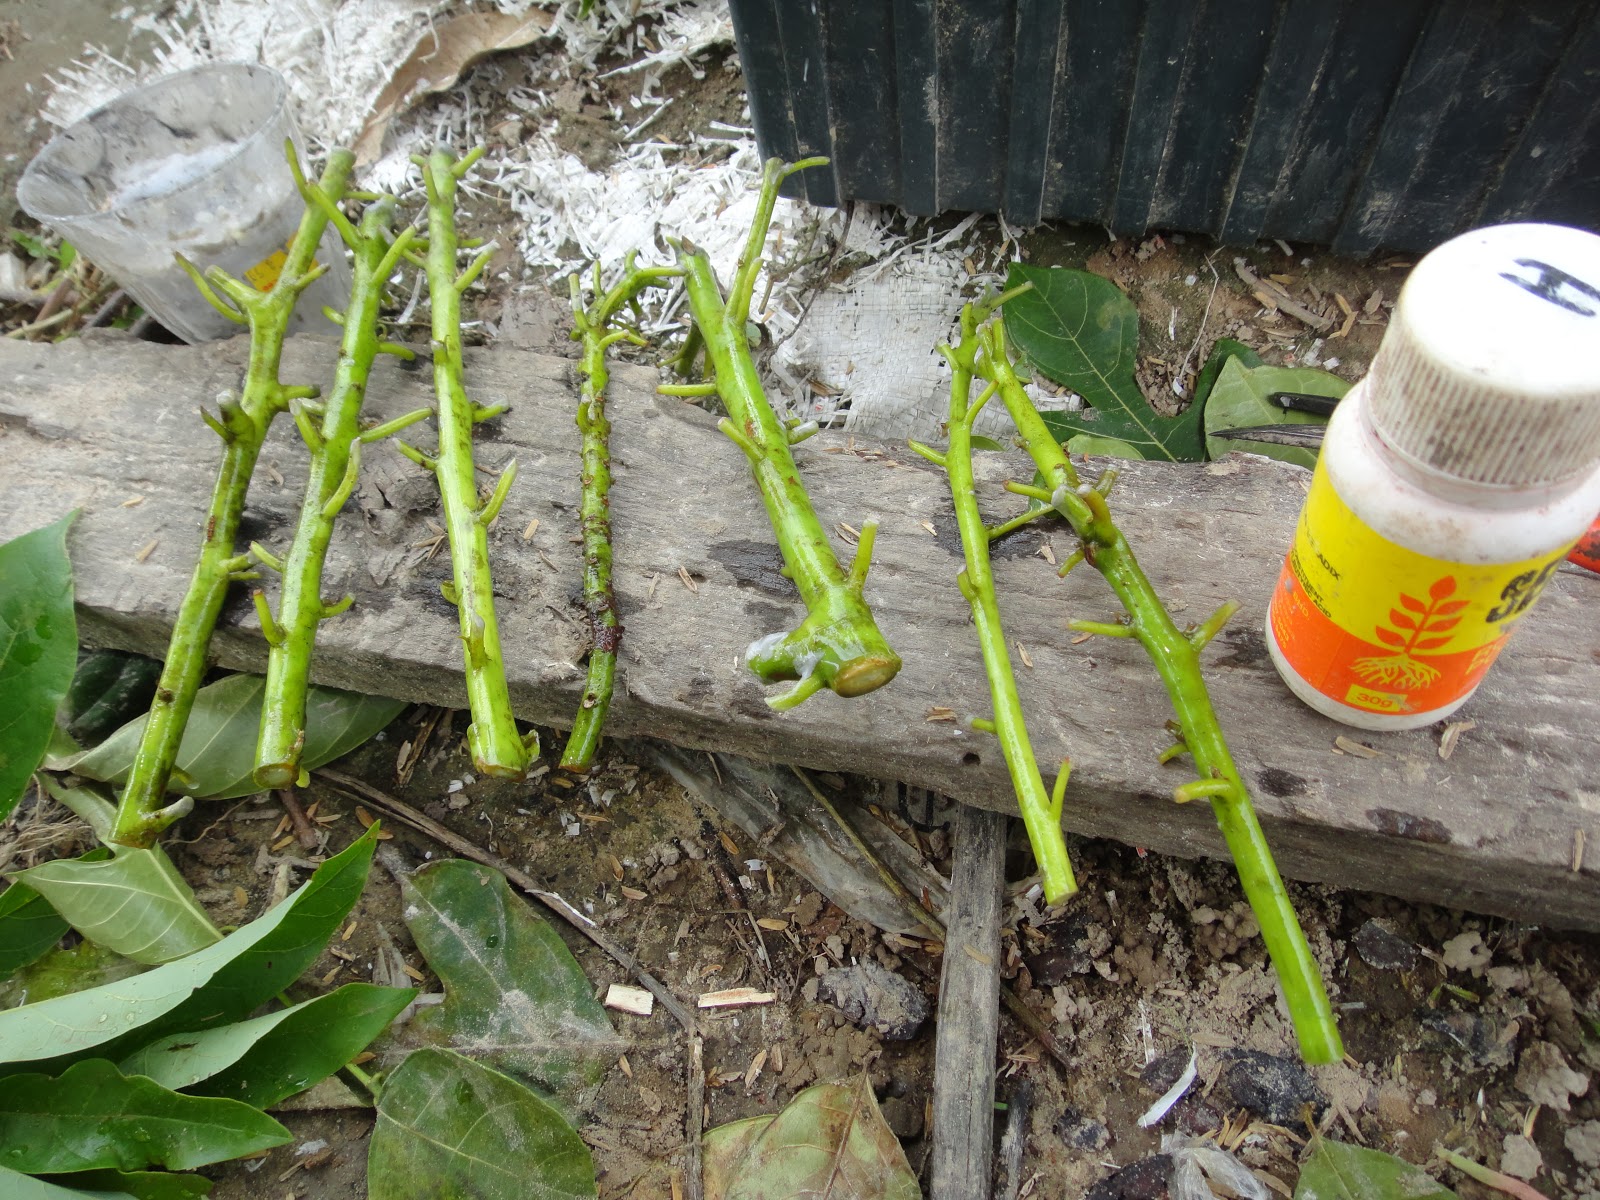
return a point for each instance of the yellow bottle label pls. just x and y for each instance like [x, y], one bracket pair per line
[265, 273]
[1384, 629]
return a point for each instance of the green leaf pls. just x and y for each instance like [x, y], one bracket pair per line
[1084, 443]
[141, 1185]
[979, 442]
[211, 987]
[31, 243]
[1240, 399]
[28, 928]
[1336, 1171]
[218, 751]
[830, 1142]
[38, 650]
[110, 689]
[94, 1117]
[448, 1126]
[1222, 350]
[1081, 331]
[262, 1061]
[135, 903]
[61, 972]
[15, 1186]
[514, 996]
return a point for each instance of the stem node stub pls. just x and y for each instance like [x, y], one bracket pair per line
[838, 645]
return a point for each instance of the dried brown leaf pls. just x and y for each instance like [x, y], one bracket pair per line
[439, 58]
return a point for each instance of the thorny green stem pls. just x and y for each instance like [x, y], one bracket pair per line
[143, 811]
[605, 629]
[1177, 659]
[497, 748]
[335, 463]
[1041, 812]
[838, 645]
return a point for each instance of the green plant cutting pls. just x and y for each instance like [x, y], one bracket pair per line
[335, 450]
[497, 748]
[838, 645]
[144, 811]
[1041, 809]
[1176, 655]
[592, 328]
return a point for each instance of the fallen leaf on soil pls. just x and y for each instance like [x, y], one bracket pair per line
[449, 1125]
[439, 58]
[514, 997]
[1336, 1171]
[830, 1142]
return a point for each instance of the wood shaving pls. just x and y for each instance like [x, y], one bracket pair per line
[629, 999]
[940, 713]
[1344, 745]
[1452, 735]
[688, 580]
[735, 998]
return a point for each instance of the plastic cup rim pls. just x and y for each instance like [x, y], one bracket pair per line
[280, 99]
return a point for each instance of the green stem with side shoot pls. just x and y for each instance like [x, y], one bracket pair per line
[1041, 810]
[143, 810]
[838, 645]
[335, 465]
[1176, 655]
[592, 329]
[497, 748]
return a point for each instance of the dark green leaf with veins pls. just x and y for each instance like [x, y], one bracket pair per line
[94, 1117]
[1081, 331]
[38, 650]
[269, 1058]
[214, 986]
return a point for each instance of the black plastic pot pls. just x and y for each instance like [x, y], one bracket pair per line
[1364, 124]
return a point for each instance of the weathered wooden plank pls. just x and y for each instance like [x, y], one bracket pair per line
[97, 421]
[969, 1010]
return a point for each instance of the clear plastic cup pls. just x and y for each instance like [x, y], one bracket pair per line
[192, 163]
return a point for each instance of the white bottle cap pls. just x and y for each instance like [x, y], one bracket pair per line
[1490, 369]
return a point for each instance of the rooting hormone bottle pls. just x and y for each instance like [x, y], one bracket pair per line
[1453, 481]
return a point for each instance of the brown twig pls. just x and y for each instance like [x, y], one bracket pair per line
[401, 811]
[303, 831]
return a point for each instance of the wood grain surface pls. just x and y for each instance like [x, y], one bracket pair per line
[107, 425]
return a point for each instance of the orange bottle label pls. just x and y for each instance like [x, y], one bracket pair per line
[1384, 629]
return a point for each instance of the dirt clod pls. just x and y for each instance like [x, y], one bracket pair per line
[1544, 1077]
[1272, 1087]
[874, 997]
[1382, 948]
[1519, 1157]
[1583, 1143]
